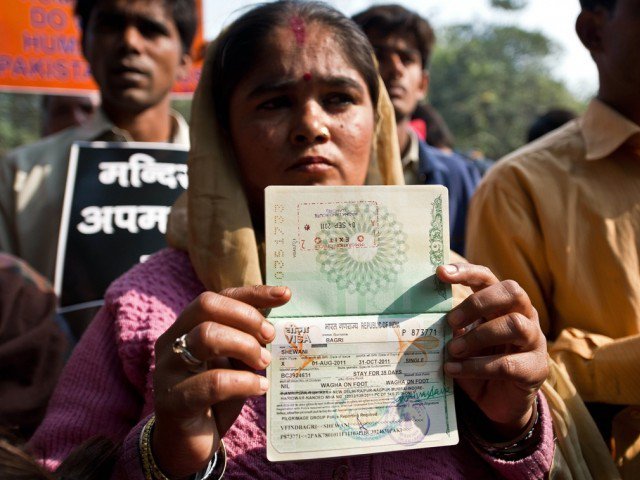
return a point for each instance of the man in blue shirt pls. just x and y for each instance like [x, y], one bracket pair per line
[403, 42]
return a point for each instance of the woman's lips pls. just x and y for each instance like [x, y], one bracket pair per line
[312, 165]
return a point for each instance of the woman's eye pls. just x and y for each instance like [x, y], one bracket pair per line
[339, 99]
[275, 103]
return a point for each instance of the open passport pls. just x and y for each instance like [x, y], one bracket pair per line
[358, 357]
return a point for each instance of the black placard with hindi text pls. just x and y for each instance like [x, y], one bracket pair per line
[115, 213]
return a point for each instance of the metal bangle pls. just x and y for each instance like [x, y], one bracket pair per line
[213, 471]
[518, 448]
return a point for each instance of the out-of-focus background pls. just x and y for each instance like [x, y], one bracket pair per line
[498, 64]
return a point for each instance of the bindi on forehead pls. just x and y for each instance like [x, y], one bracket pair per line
[298, 29]
[307, 77]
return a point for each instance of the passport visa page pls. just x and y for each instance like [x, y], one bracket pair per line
[357, 362]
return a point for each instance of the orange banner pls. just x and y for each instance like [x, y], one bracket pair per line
[40, 49]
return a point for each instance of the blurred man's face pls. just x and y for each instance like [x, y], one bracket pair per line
[400, 66]
[617, 56]
[135, 53]
[62, 111]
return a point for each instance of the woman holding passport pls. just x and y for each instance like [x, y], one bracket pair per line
[172, 365]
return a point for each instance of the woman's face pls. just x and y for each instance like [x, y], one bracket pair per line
[302, 116]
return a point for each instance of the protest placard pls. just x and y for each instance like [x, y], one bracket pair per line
[115, 213]
[41, 51]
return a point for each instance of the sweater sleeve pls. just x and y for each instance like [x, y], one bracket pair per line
[129, 466]
[536, 465]
[94, 397]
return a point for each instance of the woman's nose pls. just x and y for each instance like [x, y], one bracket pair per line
[310, 126]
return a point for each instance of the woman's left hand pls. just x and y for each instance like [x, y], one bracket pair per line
[501, 360]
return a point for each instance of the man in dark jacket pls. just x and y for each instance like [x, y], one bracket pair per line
[403, 42]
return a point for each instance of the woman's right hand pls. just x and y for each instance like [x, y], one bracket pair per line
[194, 409]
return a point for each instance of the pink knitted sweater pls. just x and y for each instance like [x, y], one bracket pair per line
[106, 389]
